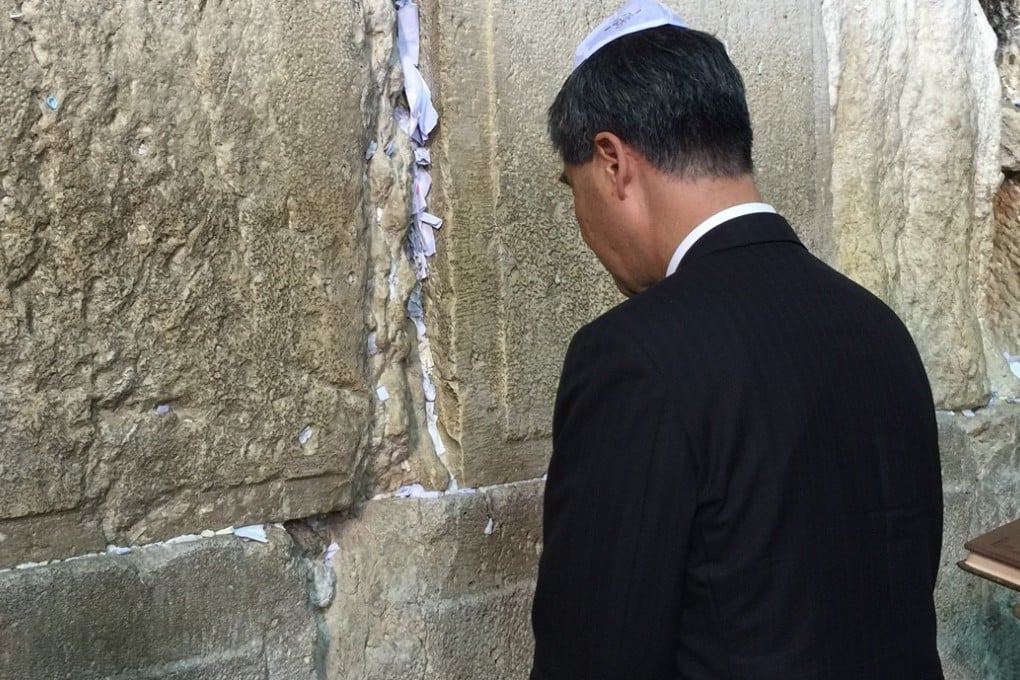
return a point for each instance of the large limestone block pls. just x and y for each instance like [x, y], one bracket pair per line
[218, 608]
[978, 635]
[915, 139]
[184, 265]
[515, 277]
[437, 589]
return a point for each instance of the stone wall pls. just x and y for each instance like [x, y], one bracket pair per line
[504, 320]
[206, 286]
[206, 281]
[913, 178]
[208, 609]
[185, 259]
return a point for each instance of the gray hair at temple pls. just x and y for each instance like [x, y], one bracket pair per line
[672, 93]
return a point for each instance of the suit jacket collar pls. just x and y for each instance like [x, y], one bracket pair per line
[742, 231]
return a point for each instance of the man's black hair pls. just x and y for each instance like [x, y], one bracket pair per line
[671, 93]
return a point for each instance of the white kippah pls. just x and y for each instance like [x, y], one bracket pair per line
[637, 15]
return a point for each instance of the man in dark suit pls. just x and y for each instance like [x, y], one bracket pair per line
[745, 480]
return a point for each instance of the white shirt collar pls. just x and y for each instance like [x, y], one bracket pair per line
[711, 223]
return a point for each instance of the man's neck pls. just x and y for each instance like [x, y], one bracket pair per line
[682, 205]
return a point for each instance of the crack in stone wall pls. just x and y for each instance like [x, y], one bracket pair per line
[402, 449]
[1001, 303]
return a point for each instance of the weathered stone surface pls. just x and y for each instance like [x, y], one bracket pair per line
[1010, 137]
[518, 278]
[185, 252]
[915, 142]
[217, 608]
[978, 635]
[38, 538]
[1001, 304]
[423, 591]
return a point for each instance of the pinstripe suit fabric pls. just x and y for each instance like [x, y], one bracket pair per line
[745, 480]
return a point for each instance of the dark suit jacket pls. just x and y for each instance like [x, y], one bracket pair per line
[745, 480]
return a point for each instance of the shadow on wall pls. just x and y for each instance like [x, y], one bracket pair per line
[1003, 297]
[1003, 16]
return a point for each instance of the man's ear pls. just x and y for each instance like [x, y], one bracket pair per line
[614, 162]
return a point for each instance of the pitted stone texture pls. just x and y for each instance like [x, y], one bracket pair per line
[218, 608]
[1001, 310]
[521, 277]
[184, 263]
[424, 592]
[1010, 136]
[915, 139]
[978, 635]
